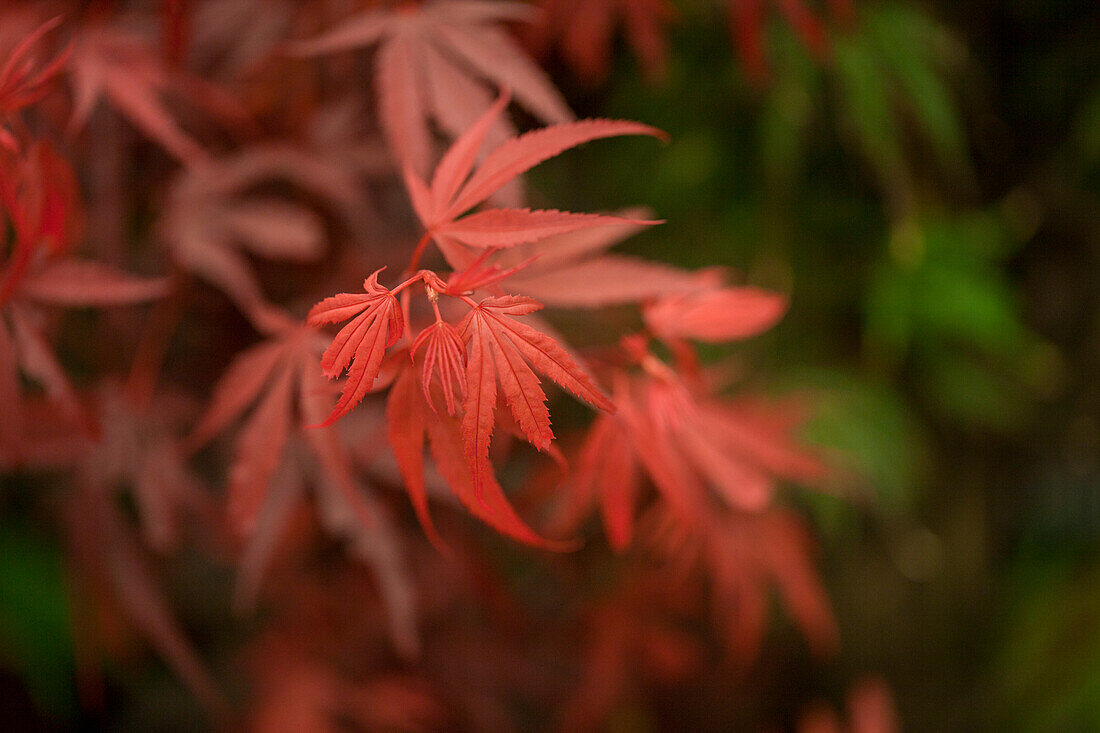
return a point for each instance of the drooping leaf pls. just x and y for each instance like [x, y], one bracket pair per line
[488, 501]
[443, 350]
[259, 450]
[499, 346]
[717, 315]
[409, 426]
[406, 423]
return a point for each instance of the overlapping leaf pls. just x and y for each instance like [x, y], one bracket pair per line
[65, 282]
[430, 64]
[211, 216]
[282, 376]
[410, 426]
[107, 63]
[456, 187]
[574, 270]
[500, 348]
[716, 315]
[360, 345]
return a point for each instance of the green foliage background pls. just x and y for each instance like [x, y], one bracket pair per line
[929, 198]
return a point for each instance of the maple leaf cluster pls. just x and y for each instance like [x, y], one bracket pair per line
[206, 205]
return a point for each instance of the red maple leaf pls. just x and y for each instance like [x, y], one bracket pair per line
[693, 446]
[136, 446]
[127, 71]
[376, 325]
[430, 63]
[744, 556]
[454, 190]
[39, 198]
[213, 217]
[410, 425]
[500, 347]
[282, 377]
[67, 283]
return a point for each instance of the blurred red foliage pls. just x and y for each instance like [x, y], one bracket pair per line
[434, 635]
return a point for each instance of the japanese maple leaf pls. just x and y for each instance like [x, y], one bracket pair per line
[211, 216]
[585, 32]
[24, 346]
[137, 447]
[124, 69]
[744, 556]
[276, 457]
[691, 445]
[410, 425]
[40, 201]
[39, 198]
[748, 25]
[279, 375]
[607, 475]
[454, 190]
[376, 325]
[574, 270]
[751, 551]
[500, 348]
[430, 64]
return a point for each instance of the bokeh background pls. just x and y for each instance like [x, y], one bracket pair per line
[927, 192]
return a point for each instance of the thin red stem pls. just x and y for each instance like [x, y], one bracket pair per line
[415, 278]
[418, 252]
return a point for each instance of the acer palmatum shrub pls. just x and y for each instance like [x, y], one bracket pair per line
[192, 378]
